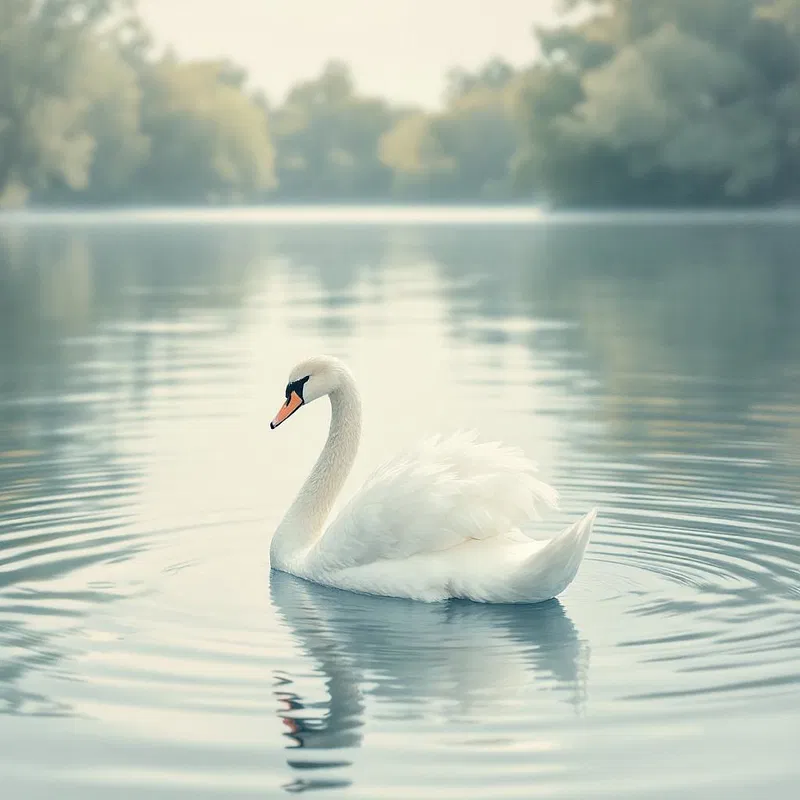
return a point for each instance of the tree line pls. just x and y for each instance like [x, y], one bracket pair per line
[629, 102]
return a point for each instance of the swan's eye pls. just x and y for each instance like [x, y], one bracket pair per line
[296, 387]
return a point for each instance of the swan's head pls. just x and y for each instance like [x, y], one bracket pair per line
[308, 381]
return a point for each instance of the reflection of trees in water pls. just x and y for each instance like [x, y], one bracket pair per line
[668, 315]
[458, 661]
[339, 260]
[61, 285]
[691, 330]
[708, 305]
[89, 325]
[704, 302]
[337, 257]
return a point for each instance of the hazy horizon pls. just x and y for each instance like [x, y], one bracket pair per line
[577, 105]
[401, 51]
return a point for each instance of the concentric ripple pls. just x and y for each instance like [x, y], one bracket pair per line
[146, 649]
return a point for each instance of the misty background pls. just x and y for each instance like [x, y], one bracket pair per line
[571, 104]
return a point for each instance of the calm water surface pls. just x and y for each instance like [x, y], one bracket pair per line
[651, 367]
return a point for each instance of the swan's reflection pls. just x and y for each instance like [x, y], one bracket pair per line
[462, 661]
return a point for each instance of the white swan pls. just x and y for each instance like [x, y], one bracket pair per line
[446, 518]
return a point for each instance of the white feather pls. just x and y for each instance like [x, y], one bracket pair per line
[434, 496]
[447, 517]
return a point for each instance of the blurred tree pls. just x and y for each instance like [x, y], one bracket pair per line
[327, 137]
[663, 101]
[209, 141]
[548, 163]
[496, 75]
[114, 122]
[630, 102]
[676, 103]
[465, 150]
[412, 150]
[785, 11]
[42, 44]
[107, 91]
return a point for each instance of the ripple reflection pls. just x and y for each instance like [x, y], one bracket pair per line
[456, 662]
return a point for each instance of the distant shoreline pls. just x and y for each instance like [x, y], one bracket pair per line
[389, 214]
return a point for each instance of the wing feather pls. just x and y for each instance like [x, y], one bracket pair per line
[435, 495]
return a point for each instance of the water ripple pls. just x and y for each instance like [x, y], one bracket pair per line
[147, 649]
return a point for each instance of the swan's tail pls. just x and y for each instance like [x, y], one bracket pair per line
[548, 571]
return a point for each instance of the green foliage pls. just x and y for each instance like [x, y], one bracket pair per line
[631, 102]
[86, 116]
[43, 137]
[327, 137]
[209, 141]
[665, 102]
[109, 97]
[463, 151]
[416, 157]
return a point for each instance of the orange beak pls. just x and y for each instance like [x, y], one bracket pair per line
[287, 409]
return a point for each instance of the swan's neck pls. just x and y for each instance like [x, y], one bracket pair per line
[304, 520]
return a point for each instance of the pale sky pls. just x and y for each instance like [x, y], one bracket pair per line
[398, 48]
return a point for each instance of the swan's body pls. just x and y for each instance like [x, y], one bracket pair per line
[446, 518]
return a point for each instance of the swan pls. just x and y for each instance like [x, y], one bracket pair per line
[446, 518]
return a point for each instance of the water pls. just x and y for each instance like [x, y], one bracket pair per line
[651, 366]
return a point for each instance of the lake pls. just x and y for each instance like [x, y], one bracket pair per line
[650, 364]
